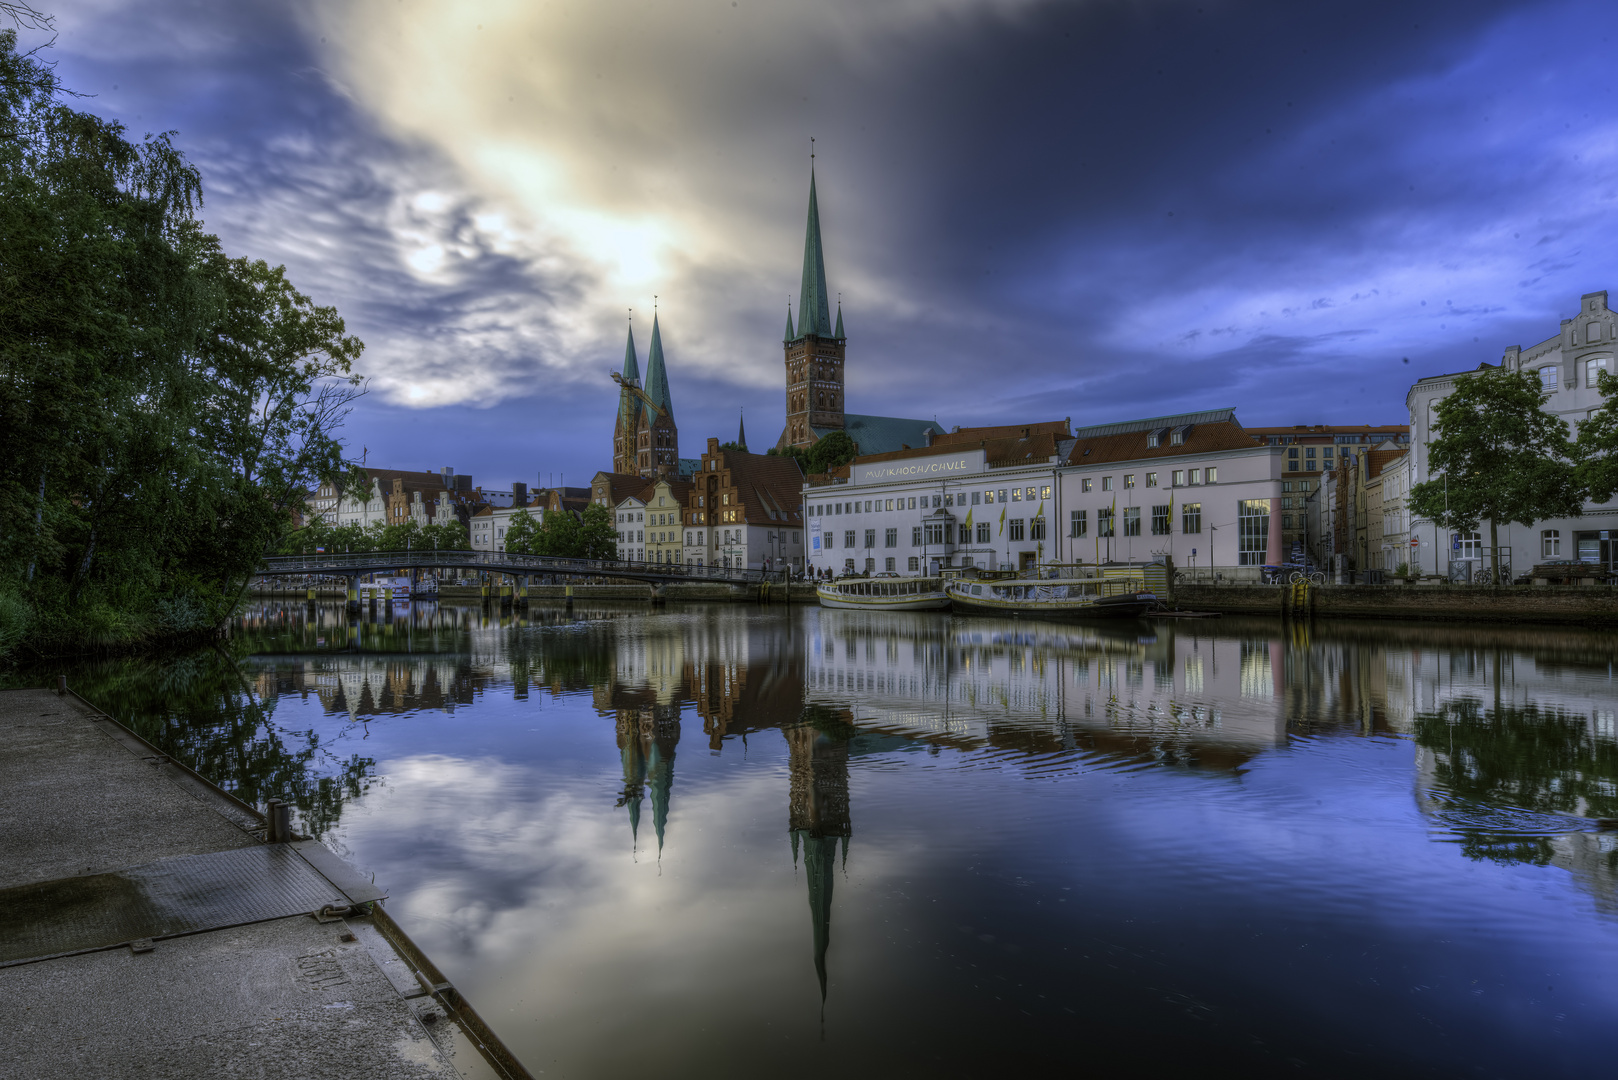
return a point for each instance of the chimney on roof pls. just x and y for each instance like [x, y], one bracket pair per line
[929, 434]
[519, 494]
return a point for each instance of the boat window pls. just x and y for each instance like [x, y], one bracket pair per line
[977, 590]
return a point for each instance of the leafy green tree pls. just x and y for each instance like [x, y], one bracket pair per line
[1499, 456]
[560, 535]
[831, 452]
[1598, 444]
[163, 408]
[452, 536]
[523, 534]
[598, 535]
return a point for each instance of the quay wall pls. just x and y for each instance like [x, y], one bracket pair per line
[1564, 604]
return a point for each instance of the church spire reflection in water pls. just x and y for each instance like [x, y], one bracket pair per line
[818, 812]
[647, 738]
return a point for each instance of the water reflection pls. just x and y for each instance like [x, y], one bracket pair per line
[1178, 819]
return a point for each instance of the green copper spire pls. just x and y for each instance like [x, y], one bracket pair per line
[840, 335]
[814, 312]
[629, 404]
[790, 335]
[657, 379]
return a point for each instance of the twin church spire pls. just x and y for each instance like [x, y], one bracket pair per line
[646, 439]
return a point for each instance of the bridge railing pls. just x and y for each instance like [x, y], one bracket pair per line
[507, 563]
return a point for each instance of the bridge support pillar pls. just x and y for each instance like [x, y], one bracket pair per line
[567, 591]
[353, 592]
[659, 593]
[522, 591]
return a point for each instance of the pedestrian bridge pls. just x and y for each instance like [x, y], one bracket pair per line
[352, 565]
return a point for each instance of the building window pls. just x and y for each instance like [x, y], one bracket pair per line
[976, 497]
[1252, 532]
[1106, 483]
[1550, 544]
[1045, 491]
[1029, 494]
[1286, 521]
[1194, 476]
[829, 541]
[870, 538]
[1014, 529]
[1131, 521]
[848, 538]
[1129, 481]
[1016, 494]
[936, 533]
[1286, 485]
[1002, 495]
[1593, 369]
[1084, 485]
[890, 504]
[915, 536]
[1036, 528]
[1179, 478]
[1104, 522]
[1177, 437]
[1310, 451]
[888, 563]
[891, 537]
[1151, 479]
[870, 565]
[1160, 519]
[984, 532]
[965, 534]
[1213, 475]
[914, 563]
[1154, 440]
[1078, 524]
[1191, 518]
[1547, 378]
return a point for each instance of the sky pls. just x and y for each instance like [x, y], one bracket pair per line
[1100, 210]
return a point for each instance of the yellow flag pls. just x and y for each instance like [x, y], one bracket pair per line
[1041, 511]
[1002, 519]
[969, 519]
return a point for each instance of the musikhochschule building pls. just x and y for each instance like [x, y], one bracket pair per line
[1194, 487]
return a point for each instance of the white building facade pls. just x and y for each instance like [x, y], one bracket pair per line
[1568, 366]
[1193, 487]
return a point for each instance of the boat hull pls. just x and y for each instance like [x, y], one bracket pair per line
[923, 602]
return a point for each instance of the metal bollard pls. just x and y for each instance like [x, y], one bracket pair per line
[61, 685]
[279, 816]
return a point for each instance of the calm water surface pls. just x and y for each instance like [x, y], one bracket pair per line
[738, 841]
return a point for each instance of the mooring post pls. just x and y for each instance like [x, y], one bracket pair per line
[278, 820]
[568, 592]
[353, 592]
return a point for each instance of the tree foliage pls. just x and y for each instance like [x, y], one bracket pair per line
[1499, 457]
[163, 408]
[1598, 444]
[831, 451]
[564, 534]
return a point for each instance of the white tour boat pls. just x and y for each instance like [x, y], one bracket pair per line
[1059, 592]
[885, 594]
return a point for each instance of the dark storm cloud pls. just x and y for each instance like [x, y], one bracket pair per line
[1101, 210]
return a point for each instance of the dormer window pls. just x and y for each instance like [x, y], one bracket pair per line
[1177, 436]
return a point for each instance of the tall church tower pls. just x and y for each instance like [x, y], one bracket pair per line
[626, 431]
[659, 451]
[645, 438]
[814, 352]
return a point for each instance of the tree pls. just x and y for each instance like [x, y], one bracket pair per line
[523, 534]
[163, 408]
[832, 451]
[1499, 456]
[1598, 444]
[598, 535]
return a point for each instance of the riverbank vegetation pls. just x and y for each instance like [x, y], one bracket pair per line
[164, 407]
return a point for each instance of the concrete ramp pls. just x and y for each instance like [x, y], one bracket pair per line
[181, 895]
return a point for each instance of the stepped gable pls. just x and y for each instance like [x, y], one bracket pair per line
[769, 487]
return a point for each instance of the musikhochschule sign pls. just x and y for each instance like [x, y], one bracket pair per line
[887, 472]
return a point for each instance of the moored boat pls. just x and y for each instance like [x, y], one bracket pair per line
[1099, 596]
[884, 594]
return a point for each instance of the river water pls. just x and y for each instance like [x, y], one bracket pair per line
[735, 841]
